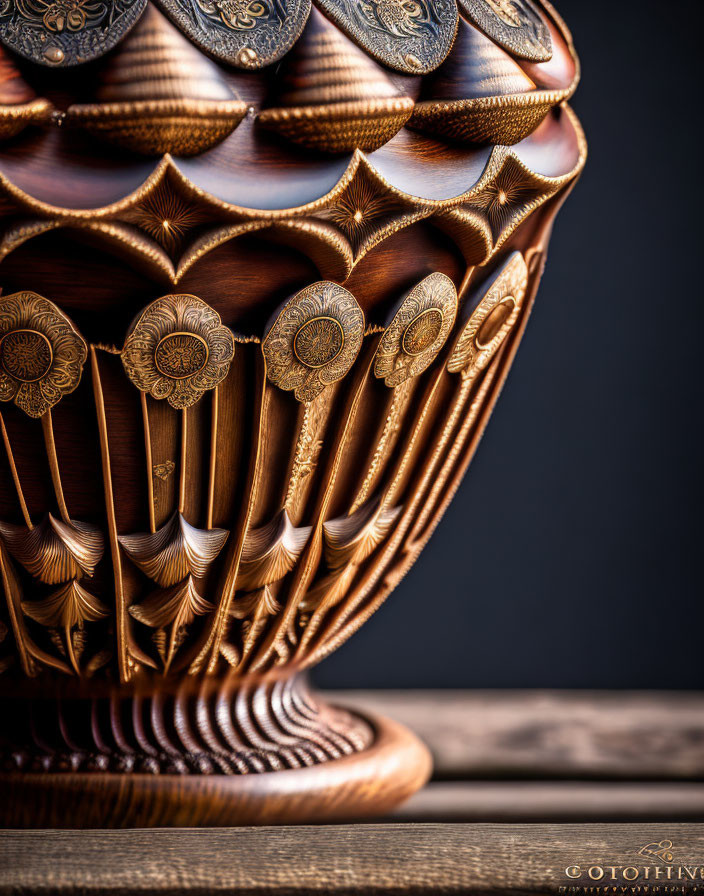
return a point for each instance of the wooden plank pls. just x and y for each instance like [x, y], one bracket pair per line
[554, 801]
[398, 859]
[543, 734]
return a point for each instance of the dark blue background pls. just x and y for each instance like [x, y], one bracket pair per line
[571, 556]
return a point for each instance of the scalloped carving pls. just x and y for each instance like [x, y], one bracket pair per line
[270, 552]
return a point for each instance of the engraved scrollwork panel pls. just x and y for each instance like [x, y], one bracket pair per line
[516, 25]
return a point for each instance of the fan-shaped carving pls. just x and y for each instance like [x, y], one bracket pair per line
[71, 605]
[175, 551]
[331, 96]
[270, 552]
[351, 539]
[54, 551]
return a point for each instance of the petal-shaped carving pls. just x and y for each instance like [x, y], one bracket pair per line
[178, 605]
[516, 25]
[176, 550]
[418, 330]
[413, 36]
[490, 318]
[71, 605]
[64, 34]
[480, 95]
[331, 96]
[159, 94]
[254, 610]
[19, 104]
[54, 551]
[248, 33]
[351, 539]
[270, 552]
[328, 591]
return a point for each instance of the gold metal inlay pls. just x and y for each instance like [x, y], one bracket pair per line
[26, 355]
[181, 355]
[319, 341]
[422, 331]
[494, 322]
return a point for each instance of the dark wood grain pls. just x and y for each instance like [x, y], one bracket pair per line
[568, 734]
[471, 859]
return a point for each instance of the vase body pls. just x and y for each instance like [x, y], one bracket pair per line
[252, 327]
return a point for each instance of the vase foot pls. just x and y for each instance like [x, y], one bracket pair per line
[266, 754]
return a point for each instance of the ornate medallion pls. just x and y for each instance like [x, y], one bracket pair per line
[314, 340]
[413, 36]
[246, 33]
[418, 331]
[491, 319]
[178, 350]
[515, 25]
[66, 32]
[41, 354]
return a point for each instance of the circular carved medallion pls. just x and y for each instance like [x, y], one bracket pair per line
[180, 355]
[515, 25]
[493, 323]
[247, 33]
[26, 355]
[66, 32]
[319, 341]
[422, 331]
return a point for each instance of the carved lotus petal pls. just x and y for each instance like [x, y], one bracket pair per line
[270, 552]
[69, 606]
[178, 349]
[490, 318]
[351, 539]
[417, 331]
[315, 340]
[41, 353]
[55, 551]
[176, 550]
[178, 605]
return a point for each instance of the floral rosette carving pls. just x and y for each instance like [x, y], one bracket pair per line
[178, 349]
[41, 353]
[417, 331]
[491, 319]
[315, 340]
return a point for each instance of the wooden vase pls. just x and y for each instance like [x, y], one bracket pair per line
[264, 270]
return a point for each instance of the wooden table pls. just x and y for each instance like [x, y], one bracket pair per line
[561, 761]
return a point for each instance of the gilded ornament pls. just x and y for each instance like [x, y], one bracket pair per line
[66, 32]
[491, 319]
[41, 353]
[412, 36]
[178, 349]
[516, 25]
[55, 551]
[314, 340]
[246, 33]
[418, 330]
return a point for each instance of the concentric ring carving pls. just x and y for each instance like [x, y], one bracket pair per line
[417, 331]
[178, 349]
[314, 340]
[41, 353]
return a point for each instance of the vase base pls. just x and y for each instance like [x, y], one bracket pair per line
[368, 782]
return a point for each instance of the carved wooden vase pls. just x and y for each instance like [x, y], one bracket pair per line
[264, 268]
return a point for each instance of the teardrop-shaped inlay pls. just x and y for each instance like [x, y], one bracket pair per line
[412, 36]
[159, 94]
[331, 96]
[66, 32]
[247, 33]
